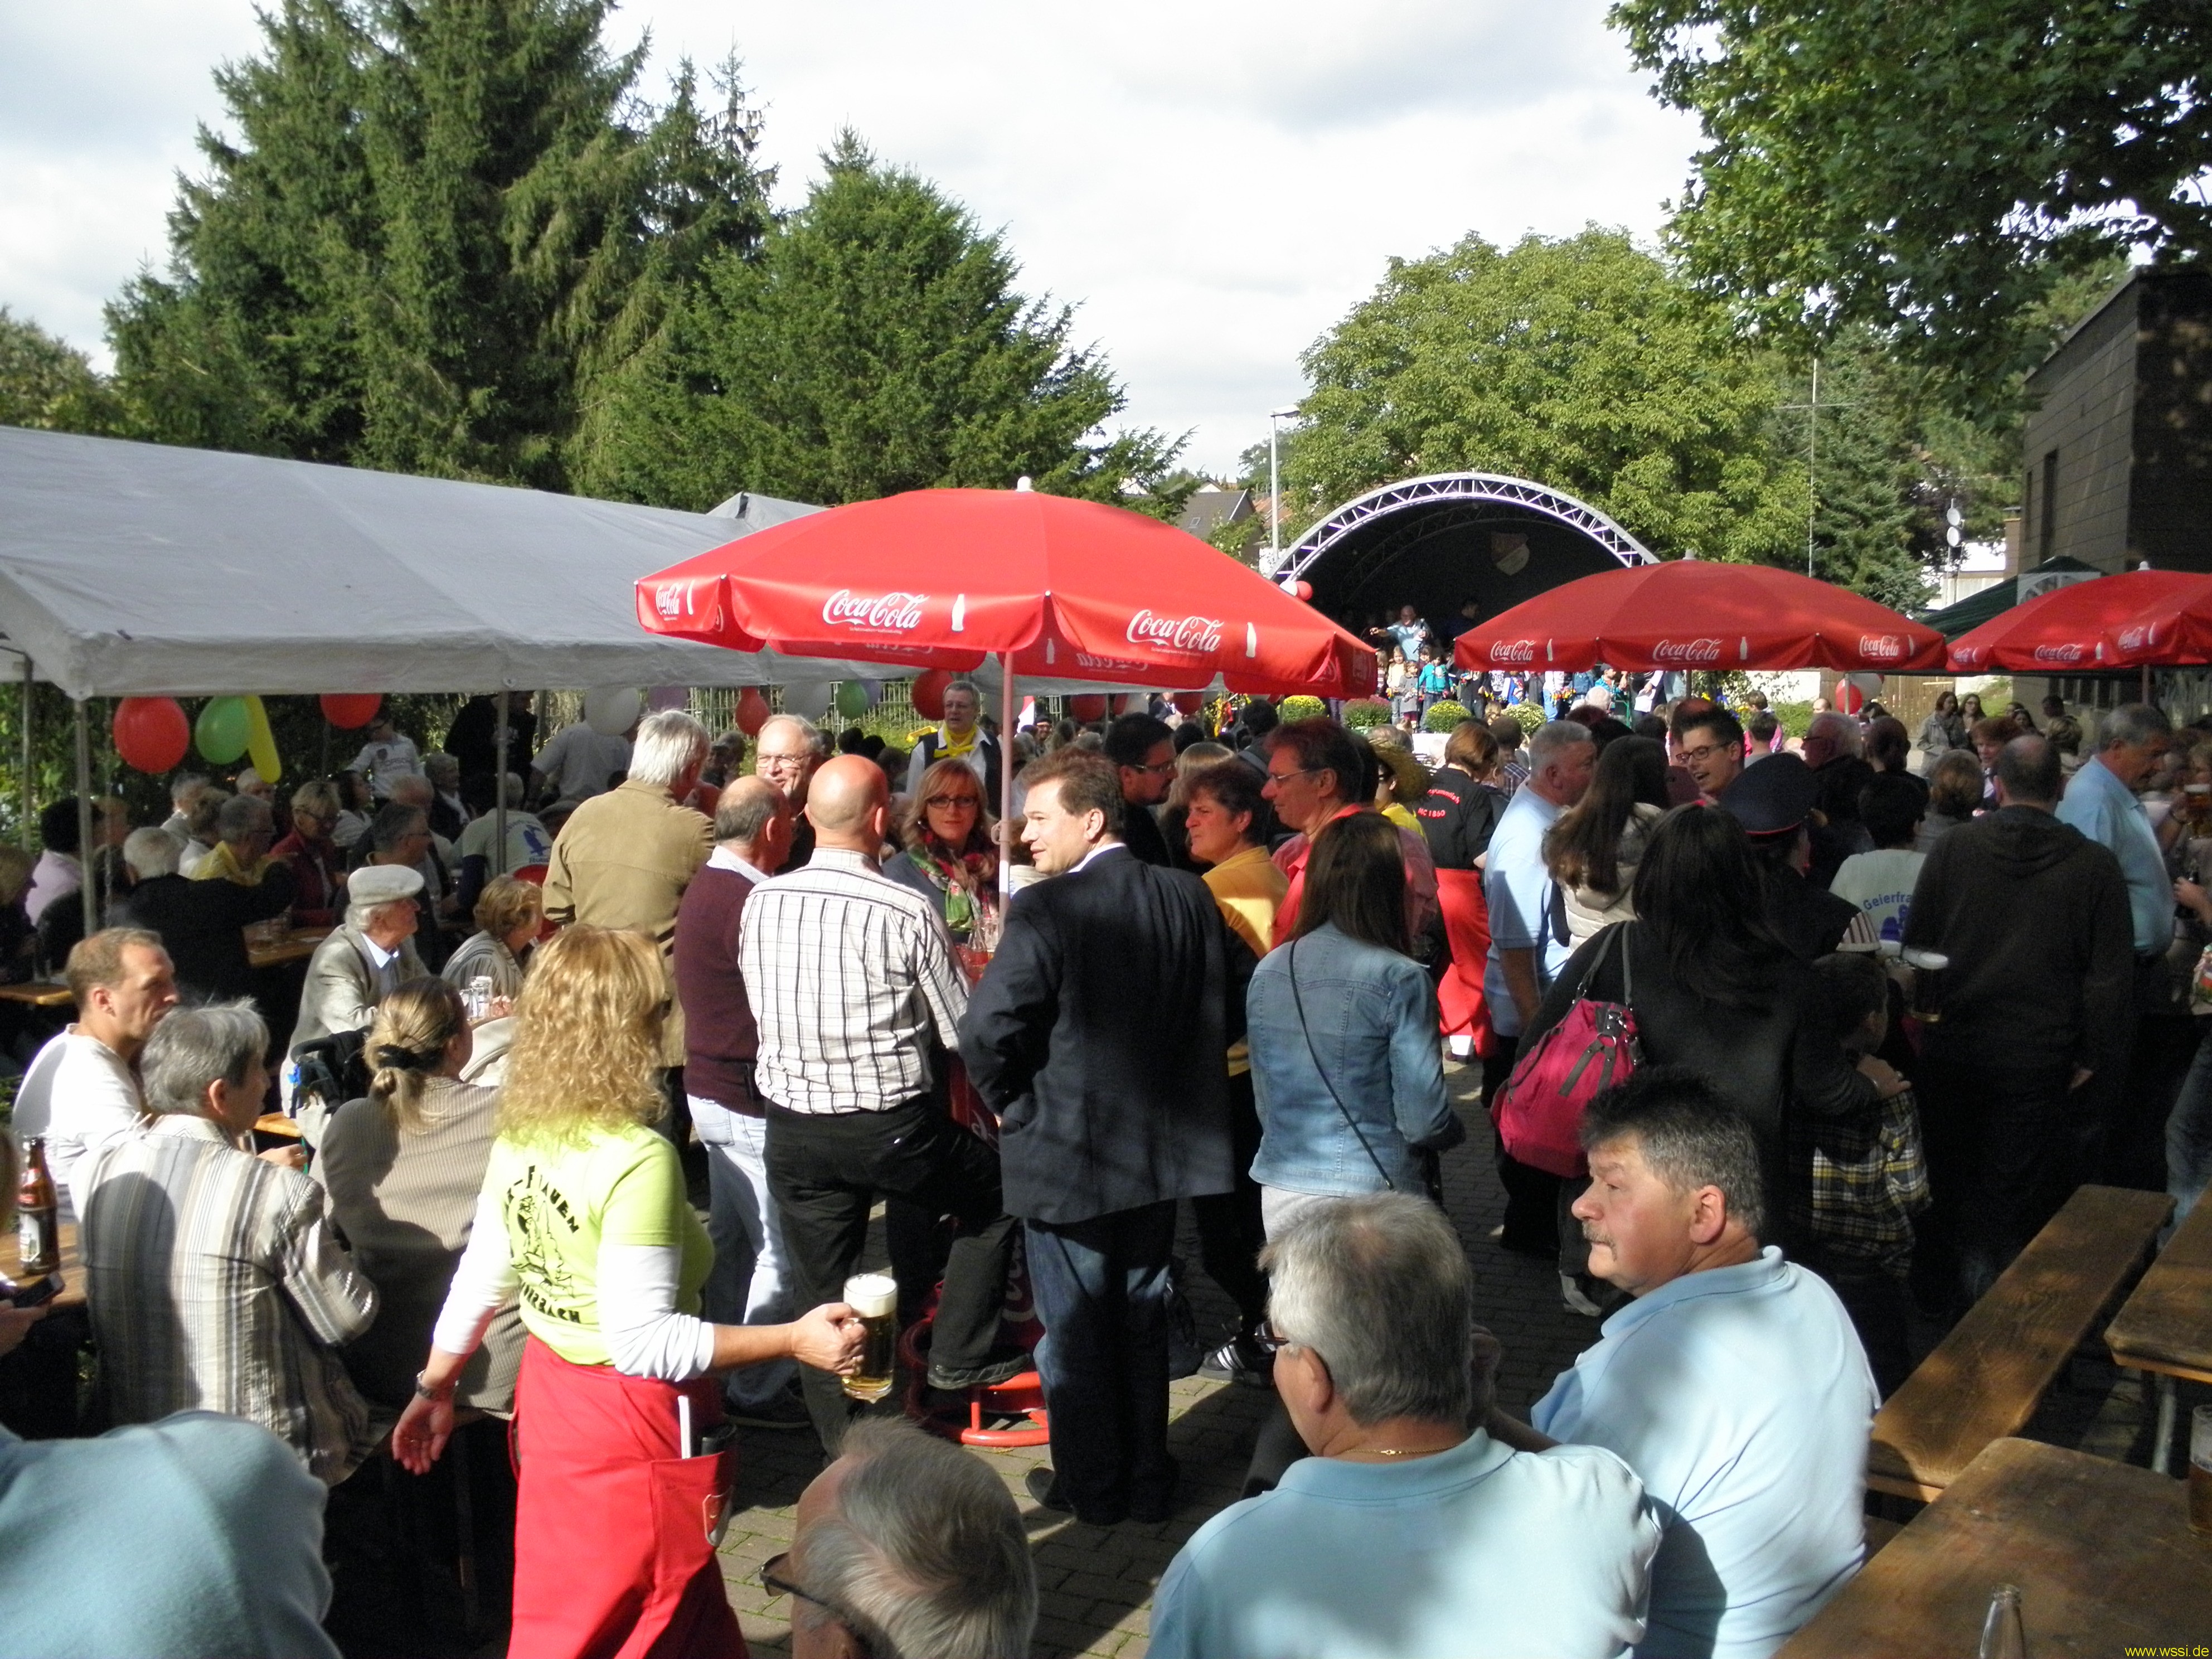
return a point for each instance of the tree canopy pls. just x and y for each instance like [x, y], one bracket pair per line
[440, 227]
[874, 342]
[48, 383]
[1581, 362]
[1933, 170]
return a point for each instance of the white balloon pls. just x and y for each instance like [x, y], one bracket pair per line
[809, 697]
[874, 688]
[611, 710]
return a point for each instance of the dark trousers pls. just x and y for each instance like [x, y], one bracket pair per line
[2006, 1148]
[1532, 1196]
[1230, 1231]
[825, 1171]
[1100, 1287]
[2135, 1106]
[1877, 1303]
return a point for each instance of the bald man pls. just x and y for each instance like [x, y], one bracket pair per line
[852, 985]
[721, 1043]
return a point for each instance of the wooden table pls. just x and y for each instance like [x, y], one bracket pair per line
[2166, 1327]
[72, 1293]
[297, 945]
[2102, 1554]
[37, 993]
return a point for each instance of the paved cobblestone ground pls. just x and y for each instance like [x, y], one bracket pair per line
[1097, 1582]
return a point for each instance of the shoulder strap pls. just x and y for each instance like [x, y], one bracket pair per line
[1298, 1000]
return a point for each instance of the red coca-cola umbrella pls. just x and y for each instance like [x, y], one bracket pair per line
[1051, 587]
[2137, 619]
[1698, 613]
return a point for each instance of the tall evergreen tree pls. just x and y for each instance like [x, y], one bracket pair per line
[443, 225]
[876, 343]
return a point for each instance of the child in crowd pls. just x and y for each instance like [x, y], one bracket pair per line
[1869, 1177]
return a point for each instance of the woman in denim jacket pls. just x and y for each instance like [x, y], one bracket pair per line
[1346, 1064]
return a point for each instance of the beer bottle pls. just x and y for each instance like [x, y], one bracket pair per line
[37, 1215]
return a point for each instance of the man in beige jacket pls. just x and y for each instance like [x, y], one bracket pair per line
[624, 858]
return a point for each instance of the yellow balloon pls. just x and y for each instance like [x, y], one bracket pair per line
[261, 743]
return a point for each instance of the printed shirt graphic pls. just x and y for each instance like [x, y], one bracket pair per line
[1880, 883]
[562, 1201]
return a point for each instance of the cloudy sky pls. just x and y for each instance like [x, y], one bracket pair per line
[1213, 182]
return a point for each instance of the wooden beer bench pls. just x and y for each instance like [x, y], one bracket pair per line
[2165, 1328]
[1984, 1381]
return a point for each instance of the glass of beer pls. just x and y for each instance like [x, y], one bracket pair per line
[1927, 998]
[2200, 1469]
[874, 1297]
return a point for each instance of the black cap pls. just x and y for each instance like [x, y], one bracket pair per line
[1772, 796]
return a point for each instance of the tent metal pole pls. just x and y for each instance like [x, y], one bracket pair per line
[84, 847]
[1006, 779]
[498, 860]
[28, 801]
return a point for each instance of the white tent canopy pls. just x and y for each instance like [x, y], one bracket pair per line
[139, 569]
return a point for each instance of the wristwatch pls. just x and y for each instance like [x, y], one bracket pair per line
[424, 1391]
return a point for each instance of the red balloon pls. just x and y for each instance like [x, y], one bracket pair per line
[1189, 702]
[1129, 702]
[350, 710]
[1088, 706]
[928, 693]
[752, 712]
[1303, 590]
[151, 734]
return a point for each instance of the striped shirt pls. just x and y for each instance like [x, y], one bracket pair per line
[852, 981]
[218, 1284]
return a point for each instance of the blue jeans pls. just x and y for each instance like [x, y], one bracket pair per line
[746, 1284]
[1101, 1288]
[2189, 1135]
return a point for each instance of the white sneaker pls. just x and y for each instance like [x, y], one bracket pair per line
[1571, 1294]
[1462, 1047]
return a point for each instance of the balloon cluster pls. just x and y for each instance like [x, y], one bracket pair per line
[152, 734]
[815, 699]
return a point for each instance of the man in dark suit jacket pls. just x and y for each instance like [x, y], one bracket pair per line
[1142, 749]
[1098, 1035]
[201, 923]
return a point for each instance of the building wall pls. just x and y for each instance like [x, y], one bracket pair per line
[2078, 442]
[2170, 496]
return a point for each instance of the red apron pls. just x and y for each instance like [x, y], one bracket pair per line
[1460, 1003]
[614, 1552]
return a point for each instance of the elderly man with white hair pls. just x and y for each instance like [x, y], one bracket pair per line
[790, 751]
[1410, 1530]
[185, 790]
[200, 922]
[373, 954]
[246, 828]
[624, 858]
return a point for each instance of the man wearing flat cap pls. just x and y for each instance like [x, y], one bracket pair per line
[371, 954]
[1773, 802]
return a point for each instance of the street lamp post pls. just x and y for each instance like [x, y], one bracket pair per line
[1275, 417]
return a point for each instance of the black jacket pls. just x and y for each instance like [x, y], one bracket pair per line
[200, 924]
[1097, 1033]
[1808, 918]
[1142, 835]
[1778, 1061]
[2035, 918]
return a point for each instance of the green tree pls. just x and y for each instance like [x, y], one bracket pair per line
[1581, 362]
[1864, 477]
[876, 343]
[1934, 168]
[443, 225]
[48, 383]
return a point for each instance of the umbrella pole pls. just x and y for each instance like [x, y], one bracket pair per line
[1005, 776]
[2146, 682]
[85, 850]
[25, 780]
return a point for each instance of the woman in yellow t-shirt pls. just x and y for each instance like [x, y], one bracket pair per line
[584, 1214]
[1227, 822]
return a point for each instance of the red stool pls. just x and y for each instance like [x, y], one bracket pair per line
[1021, 1396]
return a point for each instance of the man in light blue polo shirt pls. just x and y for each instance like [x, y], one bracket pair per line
[2101, 802]
[1733, 1384]
[1405, 1534]
[1529, 945]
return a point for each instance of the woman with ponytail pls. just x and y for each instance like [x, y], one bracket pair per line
[403, 1167]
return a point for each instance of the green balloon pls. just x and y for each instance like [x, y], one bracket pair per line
[852, 699]
[224, 729]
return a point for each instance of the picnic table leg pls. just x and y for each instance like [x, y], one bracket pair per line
[2161, 1446]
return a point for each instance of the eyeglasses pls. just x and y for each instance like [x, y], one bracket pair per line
[1295, 772]
[969, 801]
[1704, 753]
[1269, 1339]
[779, 761]
[773, 1582]
[1159, 770]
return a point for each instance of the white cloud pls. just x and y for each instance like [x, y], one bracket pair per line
[1214, 182]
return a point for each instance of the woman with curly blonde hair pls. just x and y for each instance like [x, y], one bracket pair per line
[584, 1214]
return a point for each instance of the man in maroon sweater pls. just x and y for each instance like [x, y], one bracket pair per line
[747, 1287]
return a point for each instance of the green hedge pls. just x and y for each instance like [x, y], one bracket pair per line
[1366, 713]
[1442, 716]
[1301, 708]
[1529, 713]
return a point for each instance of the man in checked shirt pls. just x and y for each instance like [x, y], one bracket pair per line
[853, 984]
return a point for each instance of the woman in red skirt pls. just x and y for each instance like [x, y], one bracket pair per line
[584, 1216]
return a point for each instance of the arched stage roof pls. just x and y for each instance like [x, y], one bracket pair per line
[1438, 541]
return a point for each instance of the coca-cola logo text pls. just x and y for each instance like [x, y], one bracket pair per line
[1881, 647]
[2135, 639]
[1513, 651]
[892, 612]
[2059, 653]
[1196, 635]
[1686, 651]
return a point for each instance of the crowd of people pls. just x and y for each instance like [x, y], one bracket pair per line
[1885, 1022]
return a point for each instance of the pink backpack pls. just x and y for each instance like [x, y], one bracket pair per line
[1538, 1112]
